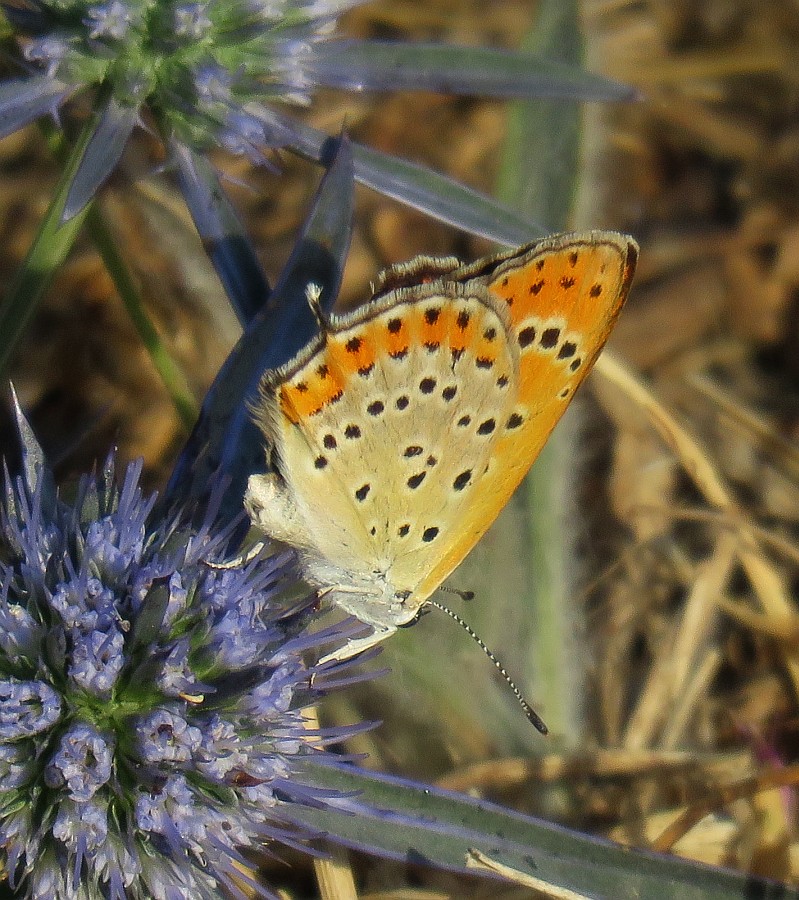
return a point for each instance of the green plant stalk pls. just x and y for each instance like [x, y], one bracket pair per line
[168, 369]
[47, 253]
[538, 176]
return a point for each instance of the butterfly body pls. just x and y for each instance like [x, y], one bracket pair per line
[401, 430]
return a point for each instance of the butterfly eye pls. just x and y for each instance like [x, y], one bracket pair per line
[402, 596]
[422, 611]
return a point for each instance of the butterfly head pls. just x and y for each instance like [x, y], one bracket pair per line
[371, 597]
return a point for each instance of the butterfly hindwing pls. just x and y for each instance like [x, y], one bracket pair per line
[384, 430]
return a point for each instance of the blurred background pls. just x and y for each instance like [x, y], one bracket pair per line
[668, 664]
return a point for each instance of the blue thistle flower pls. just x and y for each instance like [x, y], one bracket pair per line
[204, 73]
[151, 691]
[221, 73]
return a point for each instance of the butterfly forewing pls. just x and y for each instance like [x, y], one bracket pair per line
[562, 297]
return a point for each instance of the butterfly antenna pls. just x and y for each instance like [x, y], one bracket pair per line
[532, 716]
[464, 595]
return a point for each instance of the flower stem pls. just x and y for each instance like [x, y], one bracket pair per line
[540, 175]
[168, 369]
[47, 253]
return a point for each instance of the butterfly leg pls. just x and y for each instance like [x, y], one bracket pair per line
[353, 648]
[243, 559]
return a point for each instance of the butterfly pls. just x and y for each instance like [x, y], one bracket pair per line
[398, 433]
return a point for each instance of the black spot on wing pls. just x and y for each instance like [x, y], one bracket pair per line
[462, 480]
[549, 338]
[415, 480]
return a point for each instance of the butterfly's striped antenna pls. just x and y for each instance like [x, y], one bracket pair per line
[464, 595]
[532, 715]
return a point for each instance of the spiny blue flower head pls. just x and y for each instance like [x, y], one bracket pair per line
[203, 70]
[151, 691]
